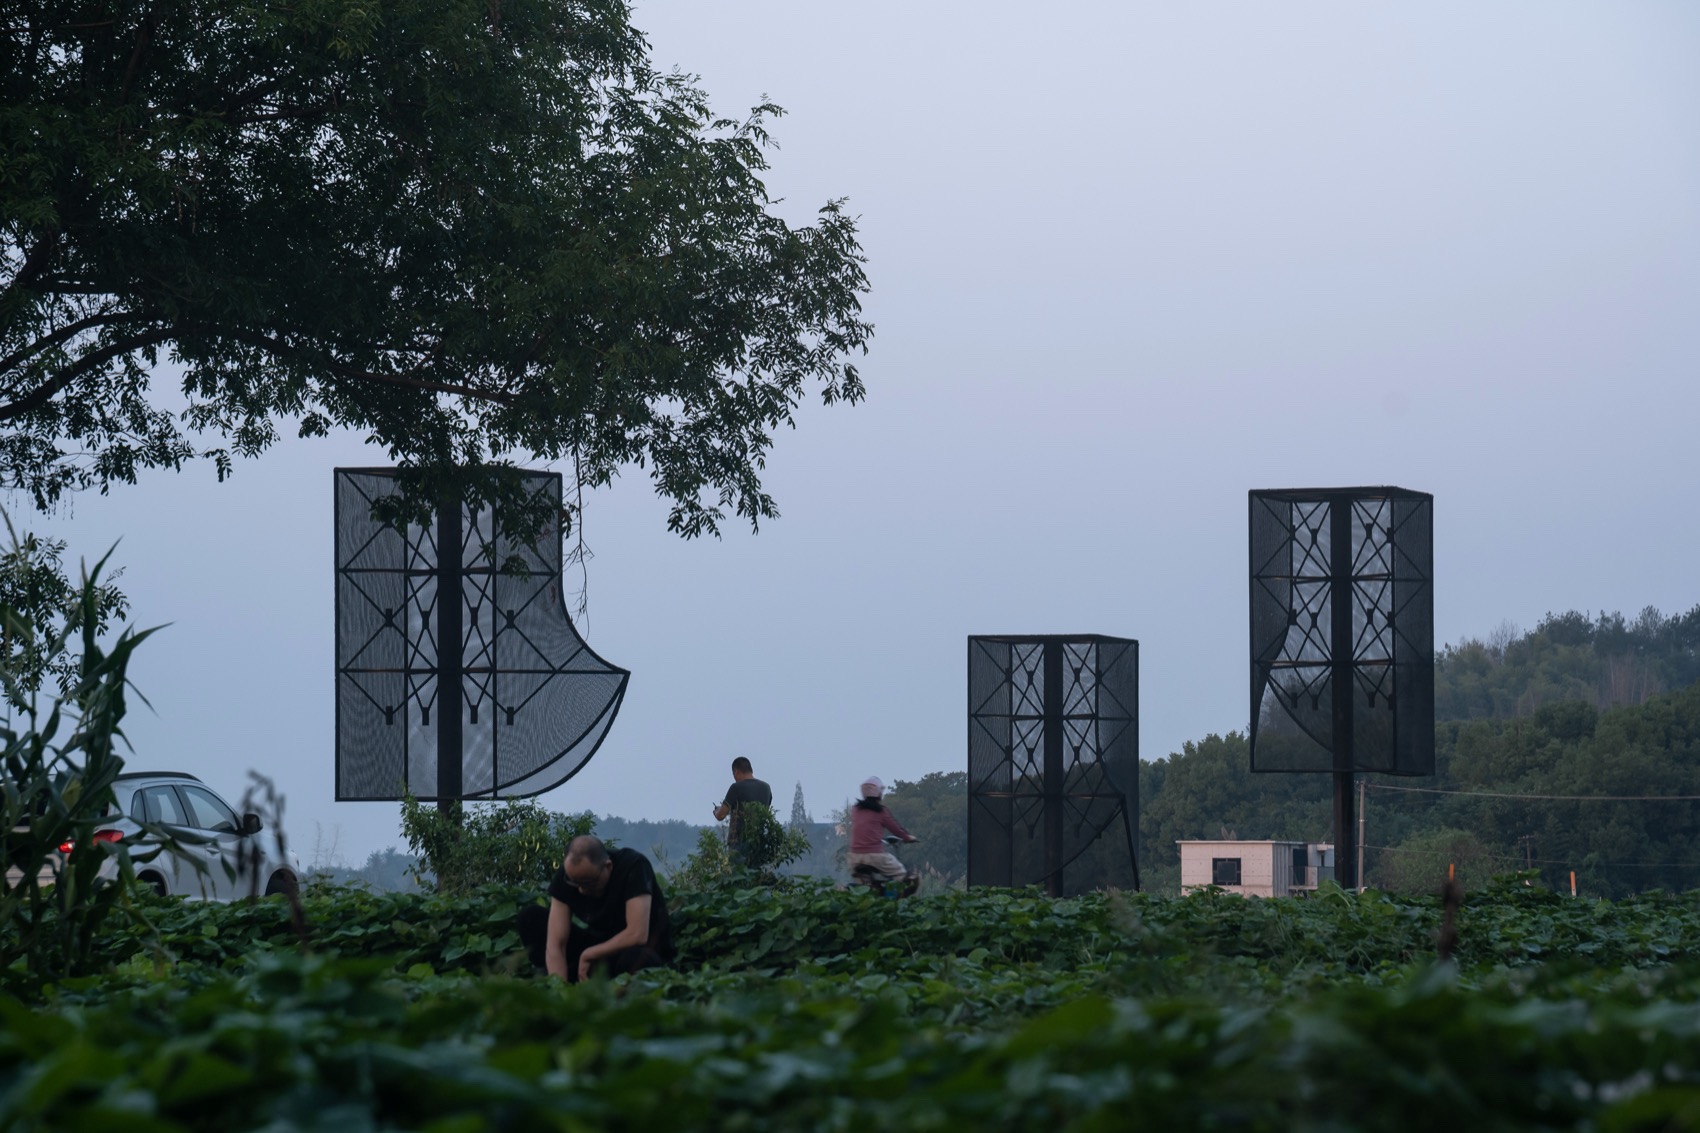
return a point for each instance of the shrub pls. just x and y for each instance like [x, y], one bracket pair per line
[765, 844]
[472, 846]
[1420, 863]
[708, 867]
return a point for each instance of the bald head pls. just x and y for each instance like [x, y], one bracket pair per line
[587, 865]
[588, 850]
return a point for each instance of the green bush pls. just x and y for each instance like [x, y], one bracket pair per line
[480, 844]
[765, 845]
[1420, 864]
[709, 867]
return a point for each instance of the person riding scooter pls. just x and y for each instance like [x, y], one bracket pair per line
[869, 857]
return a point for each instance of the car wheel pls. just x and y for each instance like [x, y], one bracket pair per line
[154, 881]
[283, 882]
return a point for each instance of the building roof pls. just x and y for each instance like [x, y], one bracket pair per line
[1248, 842]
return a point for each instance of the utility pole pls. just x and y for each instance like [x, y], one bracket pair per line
[1361, 786]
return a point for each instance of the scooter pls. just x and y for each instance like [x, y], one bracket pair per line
[885, 886]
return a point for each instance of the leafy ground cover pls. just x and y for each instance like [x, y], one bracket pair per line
[809, 1008]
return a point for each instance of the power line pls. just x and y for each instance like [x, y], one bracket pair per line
[1542, 798]
[1539, 861]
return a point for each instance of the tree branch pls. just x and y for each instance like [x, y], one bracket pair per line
[343, 370]
[144, 37]
[35, 262]
[63, 334]
[45, 392]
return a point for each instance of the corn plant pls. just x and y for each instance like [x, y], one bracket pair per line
[60, 759]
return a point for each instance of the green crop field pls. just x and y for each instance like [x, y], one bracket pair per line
[809, 1008]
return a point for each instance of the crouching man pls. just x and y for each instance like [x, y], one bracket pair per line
[619, 910]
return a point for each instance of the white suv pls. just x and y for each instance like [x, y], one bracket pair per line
[219, 851]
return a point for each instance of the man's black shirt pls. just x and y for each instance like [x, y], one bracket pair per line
[740, 792]
[748, 791]
[605, 916]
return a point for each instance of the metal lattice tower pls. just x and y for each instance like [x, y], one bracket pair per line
[1342, 639]
[520, 703]
[1053, 755]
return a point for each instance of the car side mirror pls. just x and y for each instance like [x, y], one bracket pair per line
[251, 824]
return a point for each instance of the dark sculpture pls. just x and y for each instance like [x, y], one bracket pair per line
[517, 706]
[1053, 756]
[1342, 639]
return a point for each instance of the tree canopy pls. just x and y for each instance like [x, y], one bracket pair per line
[1605, 661]
[464, 228]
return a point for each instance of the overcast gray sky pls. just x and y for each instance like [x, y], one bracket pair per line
[1129, 260]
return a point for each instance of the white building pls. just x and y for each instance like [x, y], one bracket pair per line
[1256, 869]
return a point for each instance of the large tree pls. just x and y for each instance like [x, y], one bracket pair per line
[465, 228]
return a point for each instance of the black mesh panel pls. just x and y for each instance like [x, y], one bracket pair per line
[534, 701]
[1053, 761]
[1299, 581]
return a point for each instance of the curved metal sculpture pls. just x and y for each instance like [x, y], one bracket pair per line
[1053, 756]
[516, 708]
[1342, 638]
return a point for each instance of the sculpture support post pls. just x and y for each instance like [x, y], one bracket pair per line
[1053, 768]
[1343, 647]
[450, 633]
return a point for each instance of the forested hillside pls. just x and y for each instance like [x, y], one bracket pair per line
[1605, 662]
[1577, 706]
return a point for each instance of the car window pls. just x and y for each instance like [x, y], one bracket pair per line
[159, 804]
[207, 811]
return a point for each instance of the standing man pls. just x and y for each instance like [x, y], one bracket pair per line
[745, 788]
[614, 894]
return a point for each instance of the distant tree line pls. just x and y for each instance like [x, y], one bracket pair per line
[1604, 662]
[1579, 705]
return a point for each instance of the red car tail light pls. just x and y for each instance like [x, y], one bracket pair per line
[99, 836]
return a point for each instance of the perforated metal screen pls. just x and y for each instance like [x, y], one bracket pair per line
[1342, 630]
[1053, 761]
[527, 701]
